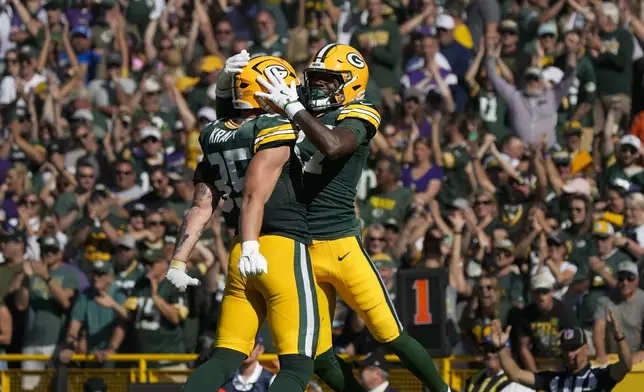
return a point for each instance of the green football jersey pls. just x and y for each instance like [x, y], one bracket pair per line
[154, 333]
[330, 184]
[582, 90]
[228, 149]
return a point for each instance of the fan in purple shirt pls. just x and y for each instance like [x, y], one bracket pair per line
[420, 174]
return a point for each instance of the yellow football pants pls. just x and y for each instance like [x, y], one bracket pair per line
[343, 265]
[287, 295]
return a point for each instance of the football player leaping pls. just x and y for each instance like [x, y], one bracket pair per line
[338, 131]
[250, 160]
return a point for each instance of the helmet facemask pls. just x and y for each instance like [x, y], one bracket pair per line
[322, 98]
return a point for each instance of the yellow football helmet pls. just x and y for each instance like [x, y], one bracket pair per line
[245, 83]
[346, 65]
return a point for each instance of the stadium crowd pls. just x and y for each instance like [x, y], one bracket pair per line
[510, 155]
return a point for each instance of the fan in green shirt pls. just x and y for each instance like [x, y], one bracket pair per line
[97, 311]
[379, 43]
[49, 294]
[602, 268]
[389, 200]
[157, 310]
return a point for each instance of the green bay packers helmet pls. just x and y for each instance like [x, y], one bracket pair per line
[245, 83]
[346, 65]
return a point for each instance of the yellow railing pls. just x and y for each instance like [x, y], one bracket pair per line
[454, 370]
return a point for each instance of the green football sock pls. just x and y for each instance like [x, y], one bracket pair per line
[215, 372]
[416, 359]
[336, 373]
[295, 373]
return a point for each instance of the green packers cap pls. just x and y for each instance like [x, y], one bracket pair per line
[49, 243]
[28, 52]
[383, 260]
[102, 267]
[13, 236]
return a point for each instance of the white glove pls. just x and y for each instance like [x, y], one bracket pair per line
[178, 277]
[251, 262]
[283, 96]
[233, 66]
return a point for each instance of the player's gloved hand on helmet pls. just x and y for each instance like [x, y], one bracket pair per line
[251, 262]
[177, 276]
[233, 66]
[279, 93]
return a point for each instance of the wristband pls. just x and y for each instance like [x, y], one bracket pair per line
[178, 265]
[620, 338]
[292, 108]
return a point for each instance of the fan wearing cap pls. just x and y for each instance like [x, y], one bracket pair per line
[555, 267]
[545, 46]
[534, 96]
[613, 206]
[611, 49]
[156, 309]
[150, 151]
[374, 372]
[28, 57]
[542, 322]
[25, 149]
[577, 105]
[508, 274]
[81, 38]
[574, 355]
[603, 269]
[110, 91]
[513, 54]
[97, 310]
[492, 377]
[458, 56]
[149, 96]
[209, 68]
[12, 249]
[127, 269]
[47, 294]
[572, 132]
[627, 304]
[625, 163]
[379, 42]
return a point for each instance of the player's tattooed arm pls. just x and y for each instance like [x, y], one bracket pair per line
[204, 202]
[333, 143]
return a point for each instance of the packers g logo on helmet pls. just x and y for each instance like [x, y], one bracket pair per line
[355, 60]
[346, 65]
[245, 83]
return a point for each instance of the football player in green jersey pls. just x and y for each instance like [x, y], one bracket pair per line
[250, 161]
[338, 131]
